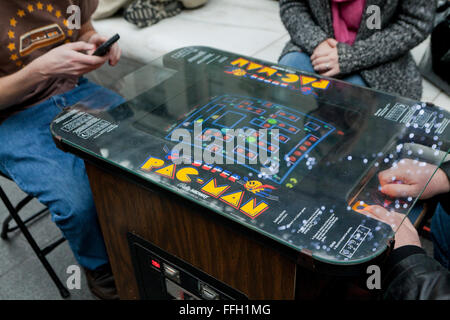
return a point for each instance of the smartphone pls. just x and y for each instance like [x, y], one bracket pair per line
[106, 46]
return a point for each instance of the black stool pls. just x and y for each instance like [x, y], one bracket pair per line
[22, 226]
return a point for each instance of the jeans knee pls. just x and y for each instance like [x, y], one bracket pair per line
[76, 211]
[298, 60]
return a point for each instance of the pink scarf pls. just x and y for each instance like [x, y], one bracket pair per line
[347, 15]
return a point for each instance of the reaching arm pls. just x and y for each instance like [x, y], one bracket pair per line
[66, 61]
[18, 84]
[412, 275]
[409, 273]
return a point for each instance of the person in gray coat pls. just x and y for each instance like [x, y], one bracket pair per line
[365, 42]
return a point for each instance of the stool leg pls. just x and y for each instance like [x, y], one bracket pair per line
[62, 289]
[5, 227]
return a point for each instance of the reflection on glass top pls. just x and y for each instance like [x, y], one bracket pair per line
[290, 155]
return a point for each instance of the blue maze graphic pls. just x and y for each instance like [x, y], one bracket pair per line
[298, 135]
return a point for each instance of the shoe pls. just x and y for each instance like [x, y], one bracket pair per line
[144, 13]
[101, 283]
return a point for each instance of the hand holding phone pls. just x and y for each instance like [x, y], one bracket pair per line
[105, 47]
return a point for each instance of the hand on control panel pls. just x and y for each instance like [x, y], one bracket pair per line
[410, 177]
[405, 232]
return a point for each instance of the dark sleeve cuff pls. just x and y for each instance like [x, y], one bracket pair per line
[391, 268]
[444, 199]
[401, 253]
[346, 58]
[446, 168]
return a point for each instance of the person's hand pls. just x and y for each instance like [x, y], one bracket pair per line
[114, 53]
[67, 61]
[325, 58]
[324, 48]
[405, 233]
[410, 177]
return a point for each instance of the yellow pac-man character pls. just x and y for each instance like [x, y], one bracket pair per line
[253, 186]
[258, 188]
[239, 72]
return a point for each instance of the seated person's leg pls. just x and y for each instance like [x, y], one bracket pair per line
[355, 79]
[58, 179]
[30, 157]
[298, 60]
[302, 61]
[440, 233]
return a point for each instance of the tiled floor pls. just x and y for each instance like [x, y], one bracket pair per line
[22, 276]
[244, 27]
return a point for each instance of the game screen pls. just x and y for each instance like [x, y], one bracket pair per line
[287, 154]
[298, 134]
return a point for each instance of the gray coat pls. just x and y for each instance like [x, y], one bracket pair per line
[381, 56]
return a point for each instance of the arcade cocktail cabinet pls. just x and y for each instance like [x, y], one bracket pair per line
[222, 176]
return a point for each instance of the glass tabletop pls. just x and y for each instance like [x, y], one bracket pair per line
[290, 155]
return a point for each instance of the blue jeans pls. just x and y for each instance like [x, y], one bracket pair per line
[301, 61]
[57, 179]
[440, 234]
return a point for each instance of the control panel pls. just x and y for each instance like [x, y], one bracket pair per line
[162, 276]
